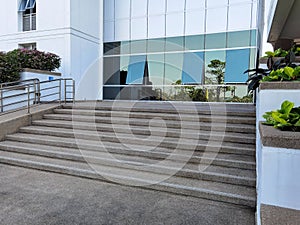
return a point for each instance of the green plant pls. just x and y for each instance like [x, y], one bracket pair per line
[13, 62]
[286, 118]
[284, 74]
[245, 99]
[277, 53]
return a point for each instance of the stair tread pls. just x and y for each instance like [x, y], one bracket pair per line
[118, 127]
[167, 107]
[211, 136]
[149, 115]
[31, 148]
[145, 122]
[196, 185]
[145, 139]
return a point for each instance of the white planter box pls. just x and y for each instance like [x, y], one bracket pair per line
[278, 152]
[39, 74]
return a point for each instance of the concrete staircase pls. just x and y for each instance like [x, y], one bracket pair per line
[201, 150]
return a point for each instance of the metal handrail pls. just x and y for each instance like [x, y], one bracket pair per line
[32, 92]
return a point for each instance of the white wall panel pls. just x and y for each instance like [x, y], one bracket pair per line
[193, 27]
[175, 5]
[109, 9]
[122, 29]
[139, 28]
[216, 20]
[122, 9]
[156, 26]
[195, 4]
[175, 24]
[239, 17]
[156, 7]
[138, 8]
[216, 3]
[109, 31]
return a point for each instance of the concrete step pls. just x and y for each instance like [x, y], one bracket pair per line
[213, 158]
[247, 131]
[165, 116]
[229, 193]
[169, 107]
[173, 143]
[151, 131]
[191, 170]
[202, 148]
[221, 127]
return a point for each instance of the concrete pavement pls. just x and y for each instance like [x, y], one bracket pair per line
[30, 197]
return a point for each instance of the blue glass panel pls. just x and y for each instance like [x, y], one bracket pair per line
[238, 39]
[253, 38]
[193, 68]
[30, 4]
[237, 62]
[23, 4]
[136, 69]
[195, 42]
[215, 41]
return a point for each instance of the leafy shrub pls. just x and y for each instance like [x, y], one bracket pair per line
[245, 99]
[284, 74]
[277, 53]
[9, 68]
[13, 62]
[286, 118]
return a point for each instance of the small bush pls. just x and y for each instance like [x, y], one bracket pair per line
[13, 62]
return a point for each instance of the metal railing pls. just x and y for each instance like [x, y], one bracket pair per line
[18, 95]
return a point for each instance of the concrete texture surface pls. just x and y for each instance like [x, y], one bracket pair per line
[11, 122]
[271, 215]
[33, 197]
[273, 137]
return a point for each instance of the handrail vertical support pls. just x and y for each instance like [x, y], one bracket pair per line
[1, 99]
[59, 92]
[65, 90]
[73, 91]
[28, 99]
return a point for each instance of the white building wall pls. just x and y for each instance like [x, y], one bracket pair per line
[68, 28]
[143, 19]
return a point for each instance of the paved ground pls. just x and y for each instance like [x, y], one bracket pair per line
[29, 197]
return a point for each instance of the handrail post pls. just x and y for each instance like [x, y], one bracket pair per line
[1, 98]
[73, 91]
[28, 99]
[39, 91]
[34, 91]
[59, 92]
[65, 87]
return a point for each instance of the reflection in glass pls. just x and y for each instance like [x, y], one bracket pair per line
[193, 66]
[237, 62]
[173, 67]
[195, 42]
[139, 46]
[174, 44]
[238, 39]
[209, 57]
[215, 41]
[156, 45]
[136, 69]
[156, 68]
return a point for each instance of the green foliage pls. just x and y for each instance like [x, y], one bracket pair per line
[277, 53]
[286, 118]
[13, 62]
[217, 69]
[284, 74]
[245, 99]
[10, 68]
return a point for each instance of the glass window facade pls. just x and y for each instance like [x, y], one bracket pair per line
[164, 43]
